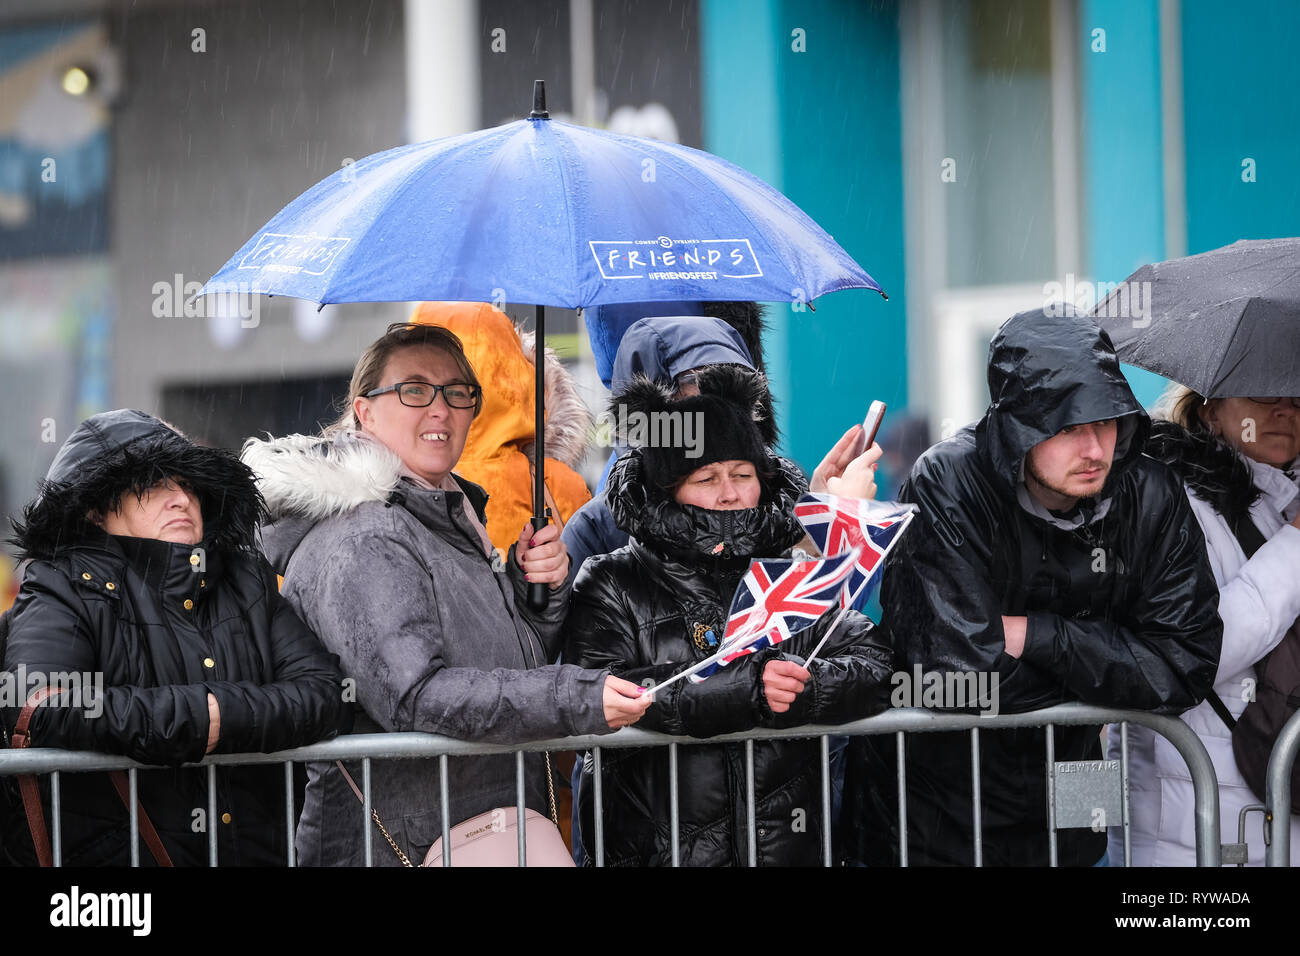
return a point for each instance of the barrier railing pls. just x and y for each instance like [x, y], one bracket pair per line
[902, 721]
[1281, 763]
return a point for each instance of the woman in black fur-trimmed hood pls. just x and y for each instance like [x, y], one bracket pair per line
[1236, 457]
[697, 515]
[144, 580]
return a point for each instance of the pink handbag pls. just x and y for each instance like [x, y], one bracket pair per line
[492, 838]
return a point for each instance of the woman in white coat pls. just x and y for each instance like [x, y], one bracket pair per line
[1236, 457]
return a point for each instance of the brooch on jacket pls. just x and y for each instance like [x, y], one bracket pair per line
[703, 637]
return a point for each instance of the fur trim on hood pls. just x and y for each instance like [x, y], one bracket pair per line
[312, 477]
[126, 451]
[1208, 466]
[677, 436]
[568, 421]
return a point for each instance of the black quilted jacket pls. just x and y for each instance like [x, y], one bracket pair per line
[162, 631]
[644, 611]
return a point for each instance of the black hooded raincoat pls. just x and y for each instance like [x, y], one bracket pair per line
[162, 625]
[1120, 600]
[645, 611]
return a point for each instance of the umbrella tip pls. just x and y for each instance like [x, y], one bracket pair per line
[539, 101]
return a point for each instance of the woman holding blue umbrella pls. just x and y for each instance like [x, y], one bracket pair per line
[384, 551]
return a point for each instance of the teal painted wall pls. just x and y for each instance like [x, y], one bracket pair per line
[833, 126]
[1123, 171]
[1241, 90]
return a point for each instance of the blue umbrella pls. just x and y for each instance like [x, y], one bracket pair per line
[544, 212]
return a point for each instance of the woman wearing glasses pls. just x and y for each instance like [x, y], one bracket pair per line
[385, 555]
[1236, 457]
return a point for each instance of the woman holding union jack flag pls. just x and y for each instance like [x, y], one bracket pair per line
[697, 516]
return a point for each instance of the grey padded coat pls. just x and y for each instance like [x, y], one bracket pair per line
[393, 579]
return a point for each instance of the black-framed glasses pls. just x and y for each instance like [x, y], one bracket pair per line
[1295, 401]
[422, 394]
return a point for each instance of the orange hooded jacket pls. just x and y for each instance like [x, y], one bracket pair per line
[498, 450]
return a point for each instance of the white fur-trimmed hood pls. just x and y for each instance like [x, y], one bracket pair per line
[307, 476]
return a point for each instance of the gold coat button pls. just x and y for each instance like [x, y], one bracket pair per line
[111, 586]
[194, 560]
[225, 818]
[203, 583]
[85, 575]
[189, 605]
[209, 662]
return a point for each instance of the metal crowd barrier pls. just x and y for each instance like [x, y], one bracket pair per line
[901, 721]
[1278, 792]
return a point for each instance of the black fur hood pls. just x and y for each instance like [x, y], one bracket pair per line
[1208, 466]
[122, 451]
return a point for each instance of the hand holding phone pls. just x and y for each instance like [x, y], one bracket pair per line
[847, 450]
[870, 425]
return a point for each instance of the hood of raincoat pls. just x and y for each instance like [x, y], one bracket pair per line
[121, 451]
[660, 349]
[607, 324]
[1048, 369]
[502, 358]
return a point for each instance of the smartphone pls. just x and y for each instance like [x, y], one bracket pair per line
[870, 425]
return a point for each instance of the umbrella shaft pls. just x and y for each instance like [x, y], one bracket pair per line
[539, 420]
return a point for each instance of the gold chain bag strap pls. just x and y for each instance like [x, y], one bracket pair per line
[489, 839]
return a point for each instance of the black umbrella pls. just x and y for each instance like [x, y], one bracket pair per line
[1224, 323]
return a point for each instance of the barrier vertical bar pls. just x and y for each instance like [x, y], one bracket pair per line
[56, 811]
[366, 810]
[900, 744]
[600, 808]
[1123, 794]
[288, 810]
[519, 808]
[212, 814]
[672, 804]
[134, 793]
[749, 802]
[826, 799]
[976, 807]
[1051, 796]
[444, 803]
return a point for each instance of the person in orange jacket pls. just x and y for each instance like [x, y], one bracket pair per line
[499, 450]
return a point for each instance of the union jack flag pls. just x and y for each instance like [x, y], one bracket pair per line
[776, 599]
[840, 524]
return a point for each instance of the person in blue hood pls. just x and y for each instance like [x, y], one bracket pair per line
[666, 350]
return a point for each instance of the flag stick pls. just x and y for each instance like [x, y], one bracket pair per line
[717, 655]
[693, 669]
[826, 636]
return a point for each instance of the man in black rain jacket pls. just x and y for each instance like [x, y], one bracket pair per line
[1052, 555]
